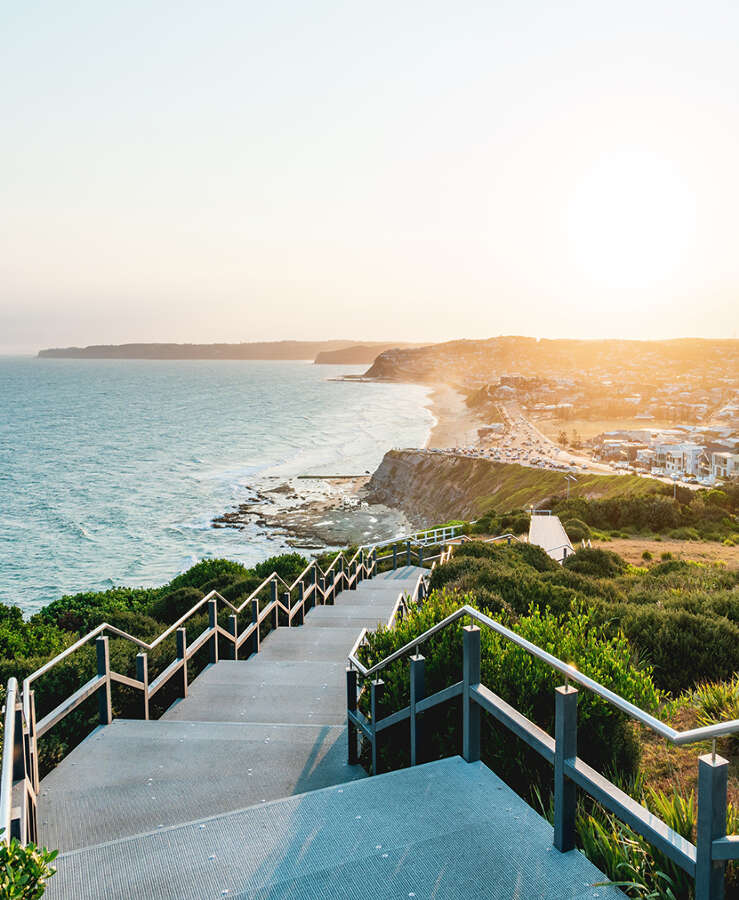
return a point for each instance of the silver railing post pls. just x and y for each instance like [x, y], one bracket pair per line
[418, 692]
[182, 655]
[470, 709]
[142, 675]
[565, 748]
[105, 710]
[33, 739]
[273, 600]
[395, 557]
[408, 553]
[377, 689]
[254, 640]
[213, 625]
[712, 789]
[232, 626]
[351, 705]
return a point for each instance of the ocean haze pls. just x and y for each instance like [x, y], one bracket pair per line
[111, 471]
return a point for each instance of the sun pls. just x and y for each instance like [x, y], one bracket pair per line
[631, 221]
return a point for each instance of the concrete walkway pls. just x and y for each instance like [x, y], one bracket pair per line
[548, 533]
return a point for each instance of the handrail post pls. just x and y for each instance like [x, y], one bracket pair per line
[300, 616]
[232, 627]
[395, 557]
[565, 748]
[315, 585]
[360, 566]
[408, 552]
[273, 600]
[418, 692]
[712, 789]
[213, 625]
[142, 674]
[353, 575]
[182, 654]
[374, 561]
[470, 709]
[105, 708]
[351, 705]
[33, 740]
[377, 689]
[420, 555]
[322, 589]
[286, 604]
[255, 623]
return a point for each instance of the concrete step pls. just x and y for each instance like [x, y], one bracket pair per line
[135, 776]
[445, 830]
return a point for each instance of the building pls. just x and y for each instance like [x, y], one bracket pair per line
[725, 465]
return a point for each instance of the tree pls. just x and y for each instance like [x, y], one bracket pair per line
[562, 438]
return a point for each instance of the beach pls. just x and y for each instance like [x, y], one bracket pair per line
[455, 423]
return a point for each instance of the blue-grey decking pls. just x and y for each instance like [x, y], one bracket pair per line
[445, 830]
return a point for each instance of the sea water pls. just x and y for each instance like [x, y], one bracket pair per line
[111, 471]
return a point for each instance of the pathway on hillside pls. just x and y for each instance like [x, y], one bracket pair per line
[248, 732]
[548, 533]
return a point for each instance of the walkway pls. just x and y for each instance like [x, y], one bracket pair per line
[248, 732]
[548, 532]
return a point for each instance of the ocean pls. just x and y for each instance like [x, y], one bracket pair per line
[111, 471]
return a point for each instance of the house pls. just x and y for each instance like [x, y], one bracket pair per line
[725, 465]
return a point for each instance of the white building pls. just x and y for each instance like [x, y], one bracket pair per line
[724, 465]
[680, 459]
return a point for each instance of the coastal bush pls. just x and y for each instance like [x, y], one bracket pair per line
[77, 612]
[174, 604]
[24, 870]
[288, 566]
[205, 571]
[604, 737]
[597, 562]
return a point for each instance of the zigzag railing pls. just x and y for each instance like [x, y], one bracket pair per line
[19, 776]
[705, 860]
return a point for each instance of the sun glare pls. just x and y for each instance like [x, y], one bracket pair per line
[631, 221]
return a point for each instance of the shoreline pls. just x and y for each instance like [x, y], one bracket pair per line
[455, 424]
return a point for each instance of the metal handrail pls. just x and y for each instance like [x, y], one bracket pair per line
[6, 782]
[691, 736]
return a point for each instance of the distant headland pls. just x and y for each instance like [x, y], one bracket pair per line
[324, 352]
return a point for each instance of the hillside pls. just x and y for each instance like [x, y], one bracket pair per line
[279, 350]
[431, 488]
[357, 355]
[456, 361]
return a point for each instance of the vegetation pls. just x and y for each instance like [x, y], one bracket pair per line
[25, 645]
[24, 871]
[666, 637]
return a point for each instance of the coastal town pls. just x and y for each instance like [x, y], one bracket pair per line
[647, 408]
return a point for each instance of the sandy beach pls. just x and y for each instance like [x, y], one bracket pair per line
[456, 425]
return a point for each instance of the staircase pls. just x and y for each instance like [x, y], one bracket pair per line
[242, 789]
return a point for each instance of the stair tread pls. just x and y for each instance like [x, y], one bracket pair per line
[448, 829]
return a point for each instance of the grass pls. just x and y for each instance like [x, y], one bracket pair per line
[632, 550]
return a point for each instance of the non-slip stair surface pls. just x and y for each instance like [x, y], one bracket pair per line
[249, 731]
[446, 830]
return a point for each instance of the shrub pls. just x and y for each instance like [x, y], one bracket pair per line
[287, 566]
[646, 556]
[665, 556]
[24, 870]
[594, 561]
[206, 570]
[174, 604]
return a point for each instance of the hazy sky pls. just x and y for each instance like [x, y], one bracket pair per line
[411, 170]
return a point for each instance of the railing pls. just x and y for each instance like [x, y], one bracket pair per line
[705, 860]
[19, 776]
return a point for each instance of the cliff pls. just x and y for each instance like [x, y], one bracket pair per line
[431, 488]
[358, 355]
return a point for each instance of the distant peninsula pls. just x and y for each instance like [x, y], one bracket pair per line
[326, 352]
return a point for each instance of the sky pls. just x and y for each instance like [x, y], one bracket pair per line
[414, 171]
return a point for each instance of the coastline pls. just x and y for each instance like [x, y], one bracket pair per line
[455, 424]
